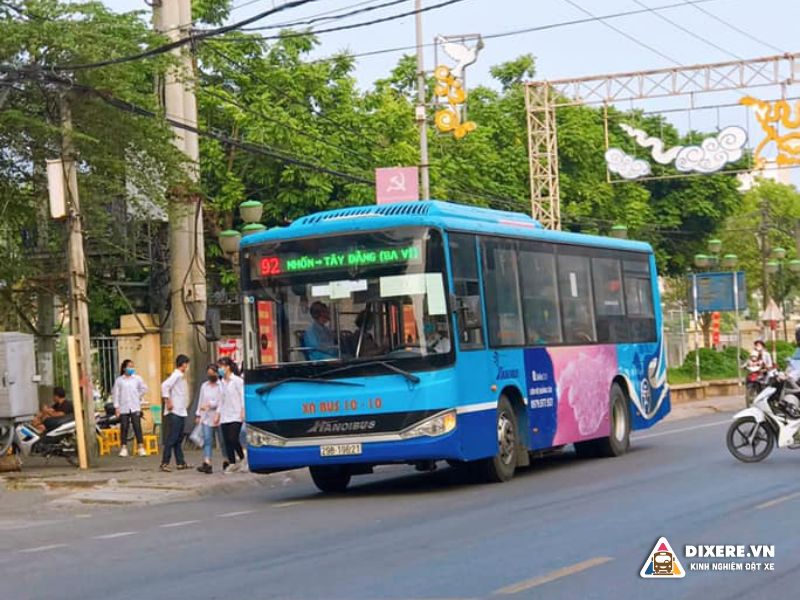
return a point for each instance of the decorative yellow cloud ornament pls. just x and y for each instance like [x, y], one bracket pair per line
[449, 119]
[772, 116]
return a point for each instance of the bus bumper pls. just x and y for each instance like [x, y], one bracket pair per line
[271, 458]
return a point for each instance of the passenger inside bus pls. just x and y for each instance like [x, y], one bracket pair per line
[365, 344]
[318, 338]
[436, 339]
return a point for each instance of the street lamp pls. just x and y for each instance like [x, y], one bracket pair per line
[776, 266]
[619, 232]
[250, 211]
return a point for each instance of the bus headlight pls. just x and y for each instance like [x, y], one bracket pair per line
[439, 424]
[258, 438]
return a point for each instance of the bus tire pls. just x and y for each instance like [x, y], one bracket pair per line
[332, 479]
[501, 467]
[619, 439]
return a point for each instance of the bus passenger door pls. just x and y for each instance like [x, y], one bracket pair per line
[475, 399]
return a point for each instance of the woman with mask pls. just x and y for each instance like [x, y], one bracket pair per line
[128, 391]
[231, 413]
[206, 414]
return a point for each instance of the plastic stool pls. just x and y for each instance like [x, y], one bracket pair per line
[102, 445]
[111, 437]
[150, 443]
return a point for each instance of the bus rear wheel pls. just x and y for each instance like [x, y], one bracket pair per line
[332, 479]
[501, 467]
[619, 438]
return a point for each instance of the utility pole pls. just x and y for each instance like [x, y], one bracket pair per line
[78, 277]
[763, 230]
[422, 117]
[187, 251]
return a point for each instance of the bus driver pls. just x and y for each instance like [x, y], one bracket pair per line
[319, 338]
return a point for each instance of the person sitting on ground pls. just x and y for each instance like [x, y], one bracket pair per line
[318, 337]
[56, 414]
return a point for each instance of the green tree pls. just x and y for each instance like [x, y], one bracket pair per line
[116, 151]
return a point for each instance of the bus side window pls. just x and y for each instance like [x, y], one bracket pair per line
[575, 290]
[539, 296]
[612, 326]
[464, 261]
[639, 300]
[503, 303]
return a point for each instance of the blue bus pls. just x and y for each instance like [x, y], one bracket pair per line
[430, 331]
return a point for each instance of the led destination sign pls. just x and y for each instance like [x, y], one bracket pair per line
[270, 266]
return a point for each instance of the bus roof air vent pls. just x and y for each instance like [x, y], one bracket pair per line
[355, 212]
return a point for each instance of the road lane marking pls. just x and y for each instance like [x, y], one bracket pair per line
[516, 588]
[238, 513]
[179, 523]
[286, 504]
[681, 430]
[777, 500]
[111, 536]
[42, 548]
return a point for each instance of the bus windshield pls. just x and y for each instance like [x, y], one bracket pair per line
[365, 297]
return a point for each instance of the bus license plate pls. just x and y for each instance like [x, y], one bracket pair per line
[340, 450]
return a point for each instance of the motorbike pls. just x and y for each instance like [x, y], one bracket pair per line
[773, 418]
[755, 382]
[60, 441]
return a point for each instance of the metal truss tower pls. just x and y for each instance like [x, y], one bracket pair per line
[543, 98]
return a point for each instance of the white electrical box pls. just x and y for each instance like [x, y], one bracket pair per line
[19, 396]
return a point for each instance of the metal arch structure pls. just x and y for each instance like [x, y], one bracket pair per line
[543, 98]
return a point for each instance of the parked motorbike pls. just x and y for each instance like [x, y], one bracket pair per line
[774, 417]
[60, 441]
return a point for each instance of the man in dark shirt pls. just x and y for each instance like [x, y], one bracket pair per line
[58, 413]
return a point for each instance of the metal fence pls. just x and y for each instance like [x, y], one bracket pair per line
[676, 336]
[105, 364]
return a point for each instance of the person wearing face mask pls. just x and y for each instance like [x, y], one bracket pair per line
[206, 414]
[127, 394]
[231, 413]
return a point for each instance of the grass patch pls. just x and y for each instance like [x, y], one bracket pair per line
[716, 365]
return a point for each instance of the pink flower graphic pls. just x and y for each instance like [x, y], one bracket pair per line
[583, 376]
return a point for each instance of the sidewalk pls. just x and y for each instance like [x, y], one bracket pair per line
[720, 404]
[137, 480]
[127, 481]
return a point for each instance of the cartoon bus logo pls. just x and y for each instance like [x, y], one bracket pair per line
[662, 563]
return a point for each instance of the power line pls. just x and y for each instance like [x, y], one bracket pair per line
[735, 28]
[496, 35]
[689, 32]
[317, 18]
[386, 19]
[634, 39]
[135, 109]
[157, 51]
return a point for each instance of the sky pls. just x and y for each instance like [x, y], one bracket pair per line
[693, 37]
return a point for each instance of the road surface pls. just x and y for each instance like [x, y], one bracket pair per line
[563, 528]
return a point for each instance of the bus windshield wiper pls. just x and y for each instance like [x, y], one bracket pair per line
[265, 389]
[387, 365]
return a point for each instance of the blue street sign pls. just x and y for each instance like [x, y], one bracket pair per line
[715, 292]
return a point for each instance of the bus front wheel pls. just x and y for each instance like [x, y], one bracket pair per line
[501, 467]
[332, 479]
[619, 438]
